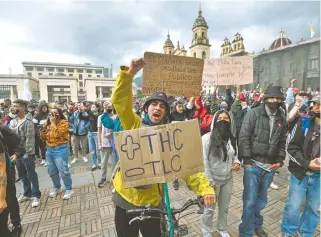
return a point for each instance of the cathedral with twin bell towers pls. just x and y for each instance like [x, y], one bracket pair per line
[200, 45]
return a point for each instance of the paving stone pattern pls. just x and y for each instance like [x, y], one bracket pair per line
[90, 212]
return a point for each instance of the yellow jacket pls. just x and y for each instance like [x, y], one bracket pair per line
[122, 101]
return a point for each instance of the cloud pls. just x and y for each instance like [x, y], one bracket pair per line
[107, 33]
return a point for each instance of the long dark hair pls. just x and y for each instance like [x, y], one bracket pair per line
[60, 113]
[219, 141]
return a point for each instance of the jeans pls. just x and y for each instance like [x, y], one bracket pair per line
[309, 189]
[57, 163]
[80, 142]
[223, 193]
[256, 182]
[93, 148]
[27, 172]
[105, 154]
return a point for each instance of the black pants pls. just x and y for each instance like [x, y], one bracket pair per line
[40, 146]
[12, 201]
[148, 228]
[5, 232]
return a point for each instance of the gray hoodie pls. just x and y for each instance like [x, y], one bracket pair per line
[215, 167]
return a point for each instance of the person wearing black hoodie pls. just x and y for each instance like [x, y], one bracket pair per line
[39, 119]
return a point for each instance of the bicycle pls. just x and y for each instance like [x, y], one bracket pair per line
[149, 212]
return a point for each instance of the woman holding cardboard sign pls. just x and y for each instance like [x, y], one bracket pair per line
[220, 159]
[156, 108]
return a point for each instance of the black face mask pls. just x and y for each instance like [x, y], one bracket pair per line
[273, 105]
[317, 115]
[223, 127]
[109, 111]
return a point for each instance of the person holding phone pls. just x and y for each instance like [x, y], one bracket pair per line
[55, 134]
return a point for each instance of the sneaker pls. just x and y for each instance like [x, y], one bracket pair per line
[17, 180]
[223, 233]
[54, 192]
[175, 184]
[16, 231]
[260, 232]
[68, 194]
[42, 162]
[69, 165]
[274, 186]
[85, 159]
[285, 235]
[74, 161]
[101, 183]
[99, 166]
[35, 202]
[23, 198]
[93, 168]
[45, 164]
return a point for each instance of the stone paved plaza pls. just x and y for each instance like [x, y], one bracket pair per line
[90, 211]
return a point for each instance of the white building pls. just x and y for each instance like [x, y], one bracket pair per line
[59, 82]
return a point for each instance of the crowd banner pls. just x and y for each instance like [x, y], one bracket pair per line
[228, 71]
[171, 74]
[159, 154]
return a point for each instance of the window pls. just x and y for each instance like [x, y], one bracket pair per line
[194, 54]
[71, 75]
[195, 35]
[89, 71]
[62, 89]
[203, 34]
[80, 77]
[314, 64]
[29, 74]
[71, 70]
[99, 72]
[40, 69]
[203, 55]
[29, 69]
[81, 90]
[50, 69]
[89, 75]
[39, 74]
[81, 84]
[50, 74]
[80, 70]
[98, 75]
[170, 52]
[61, 70]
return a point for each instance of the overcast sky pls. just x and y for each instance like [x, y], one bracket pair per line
[104, 33]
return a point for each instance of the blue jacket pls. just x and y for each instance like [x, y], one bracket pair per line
[80, 122]
[115, 126]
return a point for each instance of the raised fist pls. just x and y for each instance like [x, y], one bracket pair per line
[136, 65]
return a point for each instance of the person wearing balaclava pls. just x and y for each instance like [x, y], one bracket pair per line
[304, 184]
[262, 147]
[31, 109]
[220, 160]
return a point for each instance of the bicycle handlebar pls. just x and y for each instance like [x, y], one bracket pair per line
[148, 210]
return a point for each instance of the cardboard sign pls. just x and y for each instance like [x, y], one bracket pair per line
[228, 71]
[159, 154]
[171, 74]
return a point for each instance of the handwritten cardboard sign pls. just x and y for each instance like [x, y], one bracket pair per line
[174, 75]
[228, 71]
[159, 154]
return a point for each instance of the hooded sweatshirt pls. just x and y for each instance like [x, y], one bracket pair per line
[40, 118]
[216, 169]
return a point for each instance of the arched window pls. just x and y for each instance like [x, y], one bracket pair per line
[203, 55]
[195, 35]
[170, 52]
[203, 34]
[194, 54]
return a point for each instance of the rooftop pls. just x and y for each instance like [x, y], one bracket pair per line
[85, 65]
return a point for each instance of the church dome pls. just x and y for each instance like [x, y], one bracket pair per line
[168, 43]
[281, 41]
[200, 21]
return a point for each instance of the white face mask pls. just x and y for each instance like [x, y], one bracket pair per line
[244, 105]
